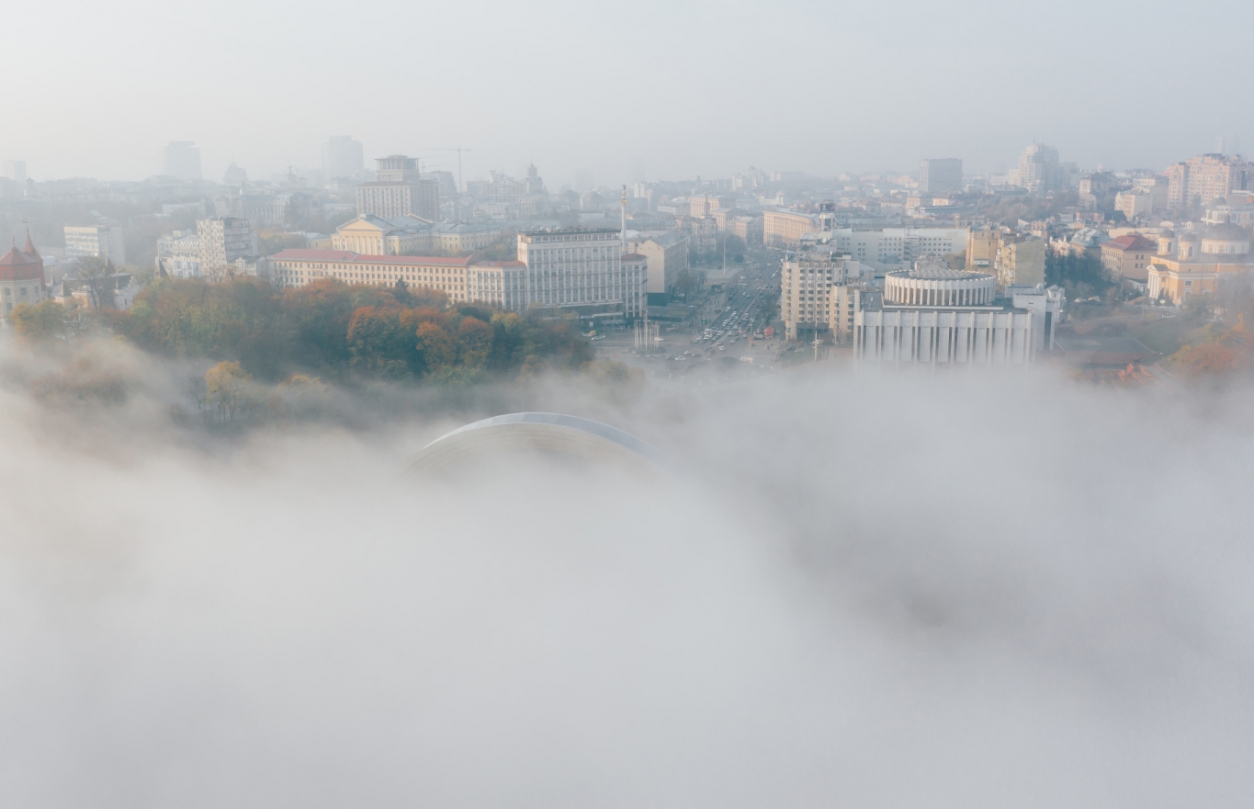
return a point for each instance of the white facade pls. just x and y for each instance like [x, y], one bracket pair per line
[939, 288]
[922, 335]
[102, 241]
[889, 247]
[581, 268]
[502, 284]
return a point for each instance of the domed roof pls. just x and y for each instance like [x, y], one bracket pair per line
[1227, 232]
[1167, 233]
[1190, 237]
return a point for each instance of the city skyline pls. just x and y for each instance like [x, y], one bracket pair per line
[713, 95]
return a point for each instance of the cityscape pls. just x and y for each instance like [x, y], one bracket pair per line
[1045, 264]
[678, 404]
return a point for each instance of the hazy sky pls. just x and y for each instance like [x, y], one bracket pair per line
[660, 89]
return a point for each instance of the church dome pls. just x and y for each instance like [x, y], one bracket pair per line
[1226, 239]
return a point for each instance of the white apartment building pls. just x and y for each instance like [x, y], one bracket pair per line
[889, 248]
[573, 268]
[502, 284]
[102, 241]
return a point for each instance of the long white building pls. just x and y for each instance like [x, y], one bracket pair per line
[583, 270]
[890, 248]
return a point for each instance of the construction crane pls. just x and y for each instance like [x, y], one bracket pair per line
[461, 188]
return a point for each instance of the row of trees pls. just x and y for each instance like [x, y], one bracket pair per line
[328, 328]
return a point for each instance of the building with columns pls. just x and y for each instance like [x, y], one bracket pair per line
[583, 270]
[941, 316]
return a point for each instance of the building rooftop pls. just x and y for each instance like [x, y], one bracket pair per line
[347, 256]
[1131, 243]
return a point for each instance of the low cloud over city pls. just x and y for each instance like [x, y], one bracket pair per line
[682, 405]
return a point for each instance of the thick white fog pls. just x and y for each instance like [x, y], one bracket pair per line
[860, 590]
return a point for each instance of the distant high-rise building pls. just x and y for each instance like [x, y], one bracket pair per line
[1228, 144]
[941, 176]
[181, 160]
[1038, 169]
[399, 190]
[102, 241]
[1206, 178]
[15, 170]
[342, 157]
[234, 176]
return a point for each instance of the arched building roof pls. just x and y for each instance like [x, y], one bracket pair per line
[552, 433]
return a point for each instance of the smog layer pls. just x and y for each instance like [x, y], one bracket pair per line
[860, 590]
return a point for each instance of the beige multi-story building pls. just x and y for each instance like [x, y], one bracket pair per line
[102, 241]
[667, 257]
[296, 268]
[399, 190]
[1013, 258]
[583, 270]
[1206, 178]
[1133, 204]
[785, 228]
[817, 293]
[1021, 263]
[1128, 256]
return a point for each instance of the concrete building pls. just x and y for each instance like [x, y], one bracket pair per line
[15, 170]
[102, 241]
[1128, 257]
[1038, 168]
[889, 248]
[224, 240]
[502, 284]
[399, 190]
[583, 271]
[21, 279]
[342, 157]
[1134, 204]
[1196, 264]
[785, 228]
[818, 292]
[942, 176]
[181, 160]
[667, 258]
[1014, 259]
[179, 254]
[1207, 178]
[939, 316]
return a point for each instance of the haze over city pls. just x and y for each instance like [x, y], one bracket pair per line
[670, 404]
[643, 91]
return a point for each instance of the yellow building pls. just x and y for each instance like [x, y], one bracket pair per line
[1128, 257]
[296, 268]
[1197, 265]
[785, 228]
